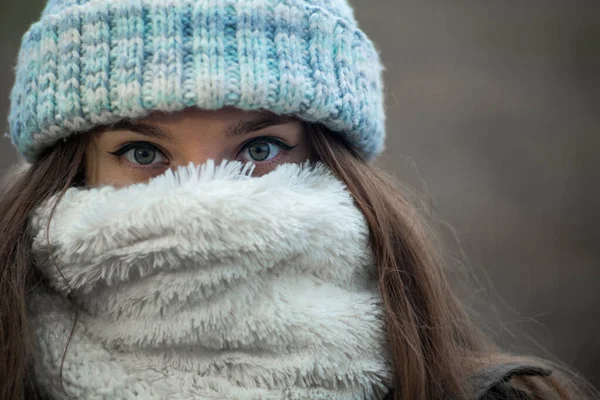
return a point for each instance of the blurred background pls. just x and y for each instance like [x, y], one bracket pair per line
[494, 121]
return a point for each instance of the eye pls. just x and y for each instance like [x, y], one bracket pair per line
[141, 153]
[263, 149]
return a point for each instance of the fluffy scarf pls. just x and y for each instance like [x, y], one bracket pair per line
[208, 283]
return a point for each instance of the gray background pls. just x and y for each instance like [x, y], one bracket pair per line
[494, 118]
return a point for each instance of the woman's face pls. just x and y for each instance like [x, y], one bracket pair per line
[132, 152]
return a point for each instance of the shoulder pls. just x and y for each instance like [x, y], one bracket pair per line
[508, 382]
[505, 382]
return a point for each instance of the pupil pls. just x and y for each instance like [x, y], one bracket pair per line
[260, 151]
[144, 156]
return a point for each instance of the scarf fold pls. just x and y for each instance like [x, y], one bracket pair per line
[208, 283]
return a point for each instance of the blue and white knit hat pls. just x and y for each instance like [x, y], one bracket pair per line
[88, 63]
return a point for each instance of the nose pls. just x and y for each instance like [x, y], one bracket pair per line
[199, 152]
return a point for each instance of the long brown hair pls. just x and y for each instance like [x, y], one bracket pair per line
[434, 346]
[56, 171]
[427, 327]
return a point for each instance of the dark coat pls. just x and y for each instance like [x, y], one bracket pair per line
[495, 382]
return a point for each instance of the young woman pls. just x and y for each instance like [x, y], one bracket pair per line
[199, 218]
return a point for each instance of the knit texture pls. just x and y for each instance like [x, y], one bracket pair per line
[207, 283]
[93, 62]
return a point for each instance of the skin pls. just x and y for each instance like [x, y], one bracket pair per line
[135, 151]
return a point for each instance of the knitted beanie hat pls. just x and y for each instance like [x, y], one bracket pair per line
[88, 63]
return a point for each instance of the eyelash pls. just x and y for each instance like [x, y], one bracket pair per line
[121, 151]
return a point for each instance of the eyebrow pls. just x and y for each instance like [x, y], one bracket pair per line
[149, 130]
[258, 123]
[241, 128]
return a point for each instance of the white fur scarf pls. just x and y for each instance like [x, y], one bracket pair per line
[208, 283]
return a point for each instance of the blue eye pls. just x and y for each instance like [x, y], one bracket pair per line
[263, 149]
[141, 153]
